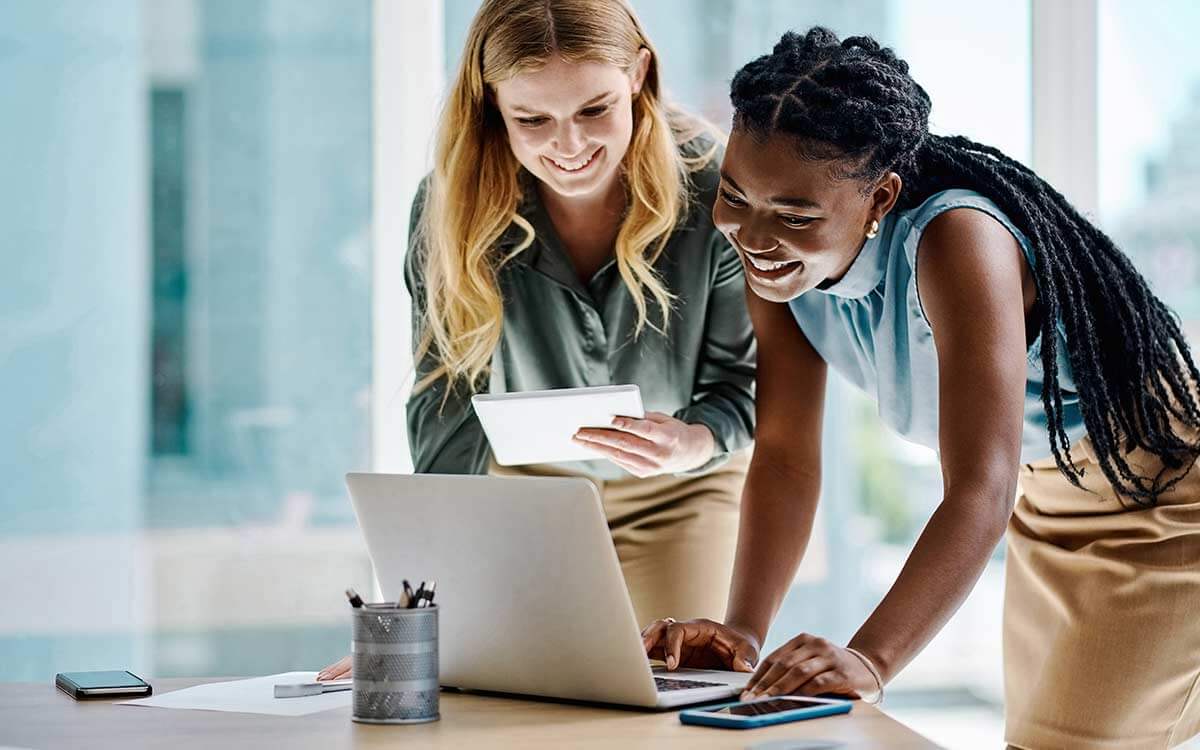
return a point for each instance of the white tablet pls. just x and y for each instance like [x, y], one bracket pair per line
[535, 427]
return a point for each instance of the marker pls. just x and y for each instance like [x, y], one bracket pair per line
[415, 601]
[355, 600]
[428, 598]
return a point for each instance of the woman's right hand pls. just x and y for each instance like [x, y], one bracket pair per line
[701, 644]
[339, 670]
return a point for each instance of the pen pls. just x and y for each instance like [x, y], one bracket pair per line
[312, 688]
[355, 600]
[428, 600]
[415, 601]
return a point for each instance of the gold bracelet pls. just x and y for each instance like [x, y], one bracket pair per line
[876, 699]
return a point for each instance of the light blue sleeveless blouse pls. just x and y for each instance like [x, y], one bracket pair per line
[871, 328]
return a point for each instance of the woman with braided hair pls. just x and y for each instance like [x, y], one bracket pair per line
[996, 324]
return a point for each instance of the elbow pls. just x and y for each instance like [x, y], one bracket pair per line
[988, 496]
[1003, 487]
[1002, 504]
[987, 474]
[991, 504]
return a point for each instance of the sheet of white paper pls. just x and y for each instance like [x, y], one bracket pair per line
[253, 696]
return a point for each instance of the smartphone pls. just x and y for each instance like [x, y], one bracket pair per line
[81, 685]
[763, 712]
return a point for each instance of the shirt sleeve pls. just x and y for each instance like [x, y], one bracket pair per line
[723, 394]
[444, 435]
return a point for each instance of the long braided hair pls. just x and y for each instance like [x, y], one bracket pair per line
[852, 102]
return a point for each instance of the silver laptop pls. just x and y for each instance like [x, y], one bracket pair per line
[530, 594]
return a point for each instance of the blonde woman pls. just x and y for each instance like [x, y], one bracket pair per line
[564, 239]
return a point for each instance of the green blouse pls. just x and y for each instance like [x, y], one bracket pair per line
[559, 332]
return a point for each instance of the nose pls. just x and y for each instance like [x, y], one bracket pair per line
[752, 238]
[568, 139]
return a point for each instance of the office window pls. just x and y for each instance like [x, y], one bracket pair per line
[185, 330]
[1149, 132]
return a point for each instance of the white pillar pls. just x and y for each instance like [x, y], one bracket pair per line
[408, 80]
[1065, 141]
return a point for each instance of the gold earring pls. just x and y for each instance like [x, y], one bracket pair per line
[873, 232]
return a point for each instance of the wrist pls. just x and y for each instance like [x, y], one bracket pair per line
[878, 659]
[749, 632]
[703, 442]
[872, 692]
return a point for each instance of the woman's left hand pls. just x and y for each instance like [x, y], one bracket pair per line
[808, 665]
[658, 444]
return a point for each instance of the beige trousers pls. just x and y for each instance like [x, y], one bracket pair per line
[1101, 611]
[675, 536]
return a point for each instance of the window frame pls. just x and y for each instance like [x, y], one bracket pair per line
[1064, 35]
[406, 95]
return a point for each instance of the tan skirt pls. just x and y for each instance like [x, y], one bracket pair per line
[1101, 611]
[675, 536]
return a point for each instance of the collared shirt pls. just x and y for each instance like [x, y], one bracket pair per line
[870, 327]
[561, 332]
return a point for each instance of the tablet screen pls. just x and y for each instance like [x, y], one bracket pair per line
[536, 427]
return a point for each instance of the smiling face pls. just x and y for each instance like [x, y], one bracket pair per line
[795, 223]
[570, 123]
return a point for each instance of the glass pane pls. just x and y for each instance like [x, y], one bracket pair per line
[185, 332]
[984, 94]
[1149, 91]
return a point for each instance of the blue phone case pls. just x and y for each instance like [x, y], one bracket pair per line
[700, 716]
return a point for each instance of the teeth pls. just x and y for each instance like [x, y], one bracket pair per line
[766, 265]
[575, 166]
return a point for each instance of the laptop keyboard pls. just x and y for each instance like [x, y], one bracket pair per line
[664, 684]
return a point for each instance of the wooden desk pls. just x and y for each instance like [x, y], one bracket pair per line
[38, 716]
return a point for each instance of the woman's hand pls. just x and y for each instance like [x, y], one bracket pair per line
[338, 670]
[701, 644]
[658, 444]
[808, 665]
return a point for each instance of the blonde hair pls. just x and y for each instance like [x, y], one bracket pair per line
[475, 190]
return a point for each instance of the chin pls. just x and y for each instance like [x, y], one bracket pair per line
[570, 188]
[782, 289]
[774, 292]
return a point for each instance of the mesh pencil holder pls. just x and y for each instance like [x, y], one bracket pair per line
[395, 655]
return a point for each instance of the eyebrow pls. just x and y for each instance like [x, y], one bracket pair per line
[778, 200]
[585, 105]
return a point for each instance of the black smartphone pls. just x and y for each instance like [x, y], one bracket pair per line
[80, 685]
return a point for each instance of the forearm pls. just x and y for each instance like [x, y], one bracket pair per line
[778, 507]
[728, 412]
[445, 437]
[940, 571]
[727, 418]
